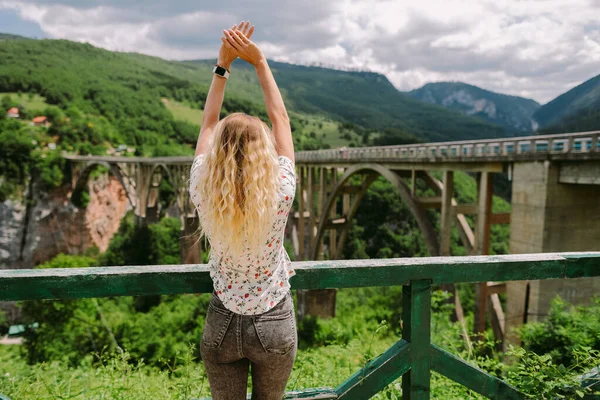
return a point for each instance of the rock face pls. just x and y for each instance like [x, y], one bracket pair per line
[31, 235]
[511, 112]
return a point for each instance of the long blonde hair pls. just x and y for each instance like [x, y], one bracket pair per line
[238, 184]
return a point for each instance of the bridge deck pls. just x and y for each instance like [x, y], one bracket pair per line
[568, 146]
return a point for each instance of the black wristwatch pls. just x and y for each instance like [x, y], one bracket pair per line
[218, 70]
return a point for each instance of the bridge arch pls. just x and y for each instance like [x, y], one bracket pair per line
[84, 175]
[169, 176]
[374, 170]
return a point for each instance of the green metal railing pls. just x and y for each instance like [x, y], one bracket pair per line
[413, 357]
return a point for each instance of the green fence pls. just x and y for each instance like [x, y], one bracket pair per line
[413, 357]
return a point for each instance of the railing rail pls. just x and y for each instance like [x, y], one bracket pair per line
[558, 146]
[412, 357]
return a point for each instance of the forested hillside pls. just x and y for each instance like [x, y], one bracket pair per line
[573, 111]
[95, 101]
[369, 100]
[512, 112]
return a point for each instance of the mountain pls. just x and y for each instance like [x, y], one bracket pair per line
[369, 100]
[512, 112]
[10, 36]
[127, 88]
[576, 110]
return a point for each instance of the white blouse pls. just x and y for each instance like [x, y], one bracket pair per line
[251, 284]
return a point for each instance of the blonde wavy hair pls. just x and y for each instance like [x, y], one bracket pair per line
[238, 184]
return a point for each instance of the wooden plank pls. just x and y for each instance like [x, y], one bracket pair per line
[66, 283]
[500, 218]
[377, 373]
[472, 377]
[420, 339]
[446, 213]
[406, 335]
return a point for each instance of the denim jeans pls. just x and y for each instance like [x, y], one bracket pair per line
[265, 344]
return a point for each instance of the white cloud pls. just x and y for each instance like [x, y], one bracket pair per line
[533, 48]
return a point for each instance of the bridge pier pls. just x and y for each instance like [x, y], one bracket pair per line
[552, 217]
[190, 243]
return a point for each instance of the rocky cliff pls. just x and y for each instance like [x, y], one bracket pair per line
[43, 225]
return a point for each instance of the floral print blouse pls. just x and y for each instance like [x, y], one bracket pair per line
[251, 284]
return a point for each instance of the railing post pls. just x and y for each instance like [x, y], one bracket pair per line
[416, 329]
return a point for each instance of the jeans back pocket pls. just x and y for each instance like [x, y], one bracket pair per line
[216, 325]
[277, 333]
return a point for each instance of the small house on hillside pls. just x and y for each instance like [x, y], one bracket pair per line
[13, 113]
[40, 121]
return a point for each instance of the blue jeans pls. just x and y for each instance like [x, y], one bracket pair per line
[232, 344]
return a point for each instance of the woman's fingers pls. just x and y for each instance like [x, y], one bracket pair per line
[246, 28]
[231, 40]
[243, 38]
[227, 44]
[250, 32]
[237, 36]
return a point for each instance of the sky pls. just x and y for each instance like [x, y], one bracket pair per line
[532, 48]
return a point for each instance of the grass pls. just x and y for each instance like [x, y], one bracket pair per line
[184, 112]
[329, 364]
[29, 100]
[118, 379]
[326, 128]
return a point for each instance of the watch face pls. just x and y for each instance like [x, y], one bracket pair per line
[220, 70]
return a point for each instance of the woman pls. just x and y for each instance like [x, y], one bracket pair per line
[243, 183]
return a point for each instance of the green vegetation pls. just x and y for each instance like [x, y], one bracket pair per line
[27, 101]
[340, 346]
[184, 112]
[574, 111]
[386, 228]
[582, 121]
[95, 101]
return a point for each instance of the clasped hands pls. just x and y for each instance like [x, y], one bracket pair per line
[236, 43]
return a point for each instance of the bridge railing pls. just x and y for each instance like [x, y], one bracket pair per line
[413, 357]
[516, 147]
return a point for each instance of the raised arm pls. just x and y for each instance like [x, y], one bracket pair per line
[249, 51]
[216, 93]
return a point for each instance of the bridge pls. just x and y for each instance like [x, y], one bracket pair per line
[555, 183]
